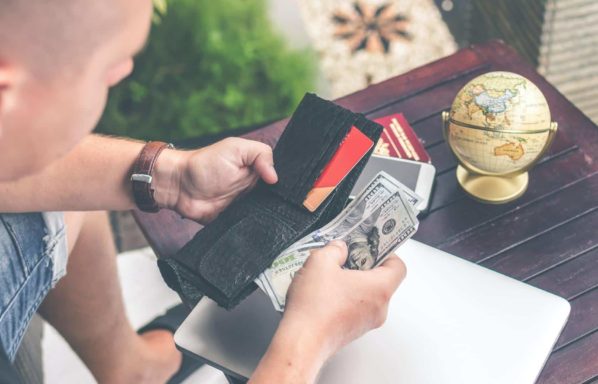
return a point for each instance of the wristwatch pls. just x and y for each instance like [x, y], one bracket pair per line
[141, 177]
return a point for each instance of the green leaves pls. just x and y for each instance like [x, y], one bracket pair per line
[160, 8]
[209, 66]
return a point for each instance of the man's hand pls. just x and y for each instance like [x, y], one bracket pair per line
[327, 307]
[341, 304]
[206, 181]
[96, 176]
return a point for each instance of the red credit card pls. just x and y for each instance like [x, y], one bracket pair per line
[398, 139]
[352, 149]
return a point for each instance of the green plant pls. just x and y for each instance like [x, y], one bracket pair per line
[209, 66]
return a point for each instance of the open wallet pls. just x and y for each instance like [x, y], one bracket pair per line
[225, 257]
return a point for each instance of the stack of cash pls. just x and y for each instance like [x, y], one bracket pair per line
[381, 218]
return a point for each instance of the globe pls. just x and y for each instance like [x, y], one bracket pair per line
[498, 127]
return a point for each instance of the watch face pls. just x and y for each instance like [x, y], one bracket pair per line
[361, 42]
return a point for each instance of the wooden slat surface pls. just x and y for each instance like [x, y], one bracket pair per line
[548, 237]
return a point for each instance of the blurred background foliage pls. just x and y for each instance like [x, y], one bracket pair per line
[209, 66]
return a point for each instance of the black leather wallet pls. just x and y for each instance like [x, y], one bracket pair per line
[225, 257]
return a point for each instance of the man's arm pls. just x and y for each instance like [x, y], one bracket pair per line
[95, 176]
[91, 177]
[295, 356]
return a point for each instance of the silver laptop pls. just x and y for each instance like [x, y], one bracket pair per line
[451, 321]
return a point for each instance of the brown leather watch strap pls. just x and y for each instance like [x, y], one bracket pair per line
[141, 177]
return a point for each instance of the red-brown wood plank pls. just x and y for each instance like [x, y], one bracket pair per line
[454, 221]
[442, 158]
[572, 277]
[576, 363]
[429, 129]
[576, 237]
[583, 319]
[507, 231]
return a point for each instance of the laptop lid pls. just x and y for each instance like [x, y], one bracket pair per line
[451, 321]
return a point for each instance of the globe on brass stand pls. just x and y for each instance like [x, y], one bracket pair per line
[498, 128]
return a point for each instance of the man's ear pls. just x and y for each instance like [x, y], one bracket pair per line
[7, 80]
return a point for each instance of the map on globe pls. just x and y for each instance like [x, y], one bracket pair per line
[512, 117]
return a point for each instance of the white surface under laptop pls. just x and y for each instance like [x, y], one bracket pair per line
[451, 321]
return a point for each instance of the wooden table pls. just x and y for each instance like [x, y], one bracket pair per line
[548, 237]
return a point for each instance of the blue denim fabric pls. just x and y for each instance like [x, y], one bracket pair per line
[32, 259]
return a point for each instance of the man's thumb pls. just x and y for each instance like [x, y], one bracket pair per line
[338, 250]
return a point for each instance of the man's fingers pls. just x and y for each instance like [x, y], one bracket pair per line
[335, 251]
[391, 272]
[259, 156]
[338, 250]
[264, 167]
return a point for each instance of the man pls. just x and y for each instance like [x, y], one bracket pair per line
[57, 62]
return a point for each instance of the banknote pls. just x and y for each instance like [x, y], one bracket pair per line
[275, 281]
[373, 238]
[374, 224]
[384, 178]
[380, 189]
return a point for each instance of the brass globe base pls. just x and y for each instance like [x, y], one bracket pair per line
[492, 189]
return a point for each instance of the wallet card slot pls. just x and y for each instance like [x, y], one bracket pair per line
[308, 143]
[323, 150]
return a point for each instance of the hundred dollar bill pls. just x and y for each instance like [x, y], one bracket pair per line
[413, 198]
[372, 239]
[379, 220]
[381, 188]
[275, 281]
